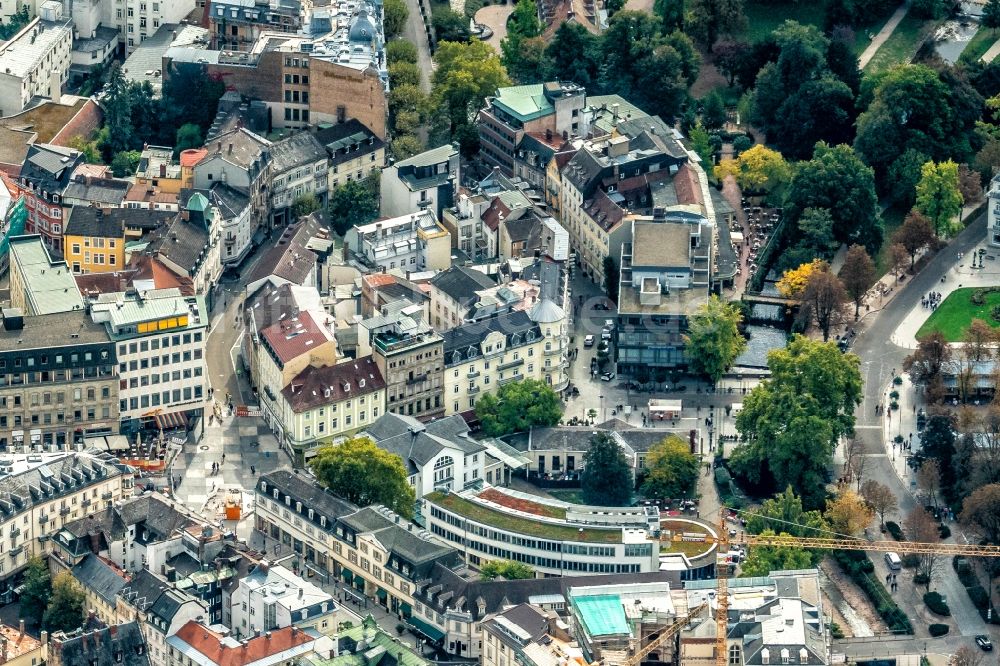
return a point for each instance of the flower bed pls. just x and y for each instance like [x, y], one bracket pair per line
[523, 505]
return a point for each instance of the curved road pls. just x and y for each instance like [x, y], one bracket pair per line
[878, 357]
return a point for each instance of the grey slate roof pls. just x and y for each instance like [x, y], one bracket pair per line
[229, 201]
[461, 283]
[498, 594]
[44, 166]
[305, 490]
[94, 573]
[51, 480]
[110, 222]
[105, 191]
[418, 443]
[144, 589]
[345, 141]
[296, 150]
[429, 157]
[289, 258]
[182, 242]
[398, 539]
[464, 340]
[120, 645]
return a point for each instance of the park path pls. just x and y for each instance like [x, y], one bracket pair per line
[991, 53]
[883, 35]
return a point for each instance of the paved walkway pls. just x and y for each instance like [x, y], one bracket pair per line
[495, 17]
[992, 52]
[414, 33]
[882, 35]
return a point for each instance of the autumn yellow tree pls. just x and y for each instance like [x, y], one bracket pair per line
[848, 513]
[756, 169]
[793, 282]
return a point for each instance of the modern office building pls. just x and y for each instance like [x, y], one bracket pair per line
[160, 338]
[35, 62]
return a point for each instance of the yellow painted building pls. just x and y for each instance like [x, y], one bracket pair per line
[157, 169]
[94, 240]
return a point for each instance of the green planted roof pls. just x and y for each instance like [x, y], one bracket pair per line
[522, 525]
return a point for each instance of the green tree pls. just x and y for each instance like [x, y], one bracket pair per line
[37, 590]
[713, 112]
[824, 298]
[857, 274]
[188, 136]
[518, 407]
[929, 9]
[939, 196]
[523, 57]
[793, 421]
[991, 15]
[395, 14]
[836, 180]
[65, 609]
[784, 515]
[404, 73]
[671, 469]
[701, 145]
[20, 19]
[904, 174]
[117, 103]
[671, 13]
[190, 95]
[305, 204]
[125, 163]
[466, 74]
[611, 277]
[361, 472]
[607, 477]
[729, 56]
[353, 203]
[713, 340]
[401, 50]
[573, 54]
[406, 146]
[524, 21]
[507, 569]
[450, 26]
[91, 155]
[707, 19]
[981, 513]
[759, 169]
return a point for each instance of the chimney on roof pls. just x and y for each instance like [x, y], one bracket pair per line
[230, 149]
[163, 170]
[218, 147]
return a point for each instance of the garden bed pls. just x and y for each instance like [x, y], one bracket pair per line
[957, 311]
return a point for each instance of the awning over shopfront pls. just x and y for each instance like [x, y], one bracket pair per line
[405, 609]
[432, 633]
[171, 421]
[346, 575]
[381, 594]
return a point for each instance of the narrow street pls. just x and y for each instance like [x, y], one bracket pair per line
[879, 356]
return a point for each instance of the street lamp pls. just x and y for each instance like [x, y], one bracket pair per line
[601, 396]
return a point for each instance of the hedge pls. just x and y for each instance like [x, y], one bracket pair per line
[977, 594]
[944, 531]
[895, 531]
[938, 630]
[937, 604]
[856, 563]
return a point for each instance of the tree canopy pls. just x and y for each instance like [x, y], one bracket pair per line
[671, 469]
[713, 340]
[606, 479]
[519, 406]
[783, 514]
[757, 169]
[65, 607]
[37, 590]
[939, 196]
[361, 472]
[793, 421]
[354, 202]
[466, 73]
[836, 179]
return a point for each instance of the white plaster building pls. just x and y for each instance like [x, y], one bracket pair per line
[272, 597]
[36, 61]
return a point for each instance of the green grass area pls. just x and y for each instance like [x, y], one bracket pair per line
[892, 218]
[571, 495]
[902, 44]
[689, 548]
[519, 525]
[956, 312]
[764, 17]
[979, 44]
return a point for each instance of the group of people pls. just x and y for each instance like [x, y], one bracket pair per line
[890, 579]
[931, 300]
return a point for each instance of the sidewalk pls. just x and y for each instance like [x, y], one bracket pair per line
[882, 35]
[992, 52]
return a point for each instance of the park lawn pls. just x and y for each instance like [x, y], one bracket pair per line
[979, 44]
[956, 312]
[764, 17]
[902, 44]
[571, 495]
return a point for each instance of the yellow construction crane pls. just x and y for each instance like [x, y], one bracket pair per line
[657, 642]
[724, 540]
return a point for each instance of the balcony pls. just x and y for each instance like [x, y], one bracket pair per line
[106, 496]
[64, 511]
[43, 519]
[472, 375]
[511, 364]
[85, 503]
[14, 532]
[417, 379]
[473, 390]
[507, 380]
[14, 552]
[553, 351]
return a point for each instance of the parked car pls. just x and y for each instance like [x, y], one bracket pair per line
[984, 643]
[588, 341]
[607, 376]
[605, 334]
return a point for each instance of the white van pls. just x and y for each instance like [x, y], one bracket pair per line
[893, 561]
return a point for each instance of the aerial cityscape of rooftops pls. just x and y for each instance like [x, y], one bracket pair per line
[499, 332]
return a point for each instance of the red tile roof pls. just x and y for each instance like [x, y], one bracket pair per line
[192, 156]
[294, 336]
[686, 184]
[209, 643]
[376, 280]
[497, 211]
